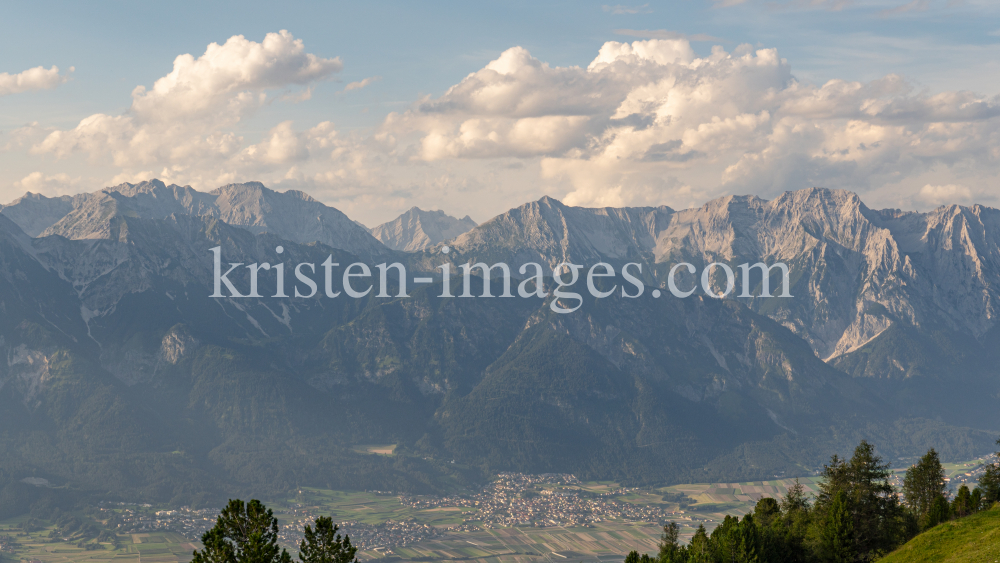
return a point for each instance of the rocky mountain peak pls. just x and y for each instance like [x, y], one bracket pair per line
[301, 195]
[241, 187]
[34, 213]
[548, 232]
[417, 229]
[145, 187]
[292, 215]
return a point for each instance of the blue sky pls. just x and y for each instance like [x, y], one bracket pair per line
[415, 51]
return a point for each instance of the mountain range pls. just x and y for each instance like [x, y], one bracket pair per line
[124, 379]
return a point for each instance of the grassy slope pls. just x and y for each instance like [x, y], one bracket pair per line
[974, 538]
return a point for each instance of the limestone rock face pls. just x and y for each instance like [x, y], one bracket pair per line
[418, 230]
[854, 271]
[291, 215]
[34, 212]
[548, 232]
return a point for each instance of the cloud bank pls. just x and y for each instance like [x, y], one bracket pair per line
[652, 122]
[644, 123]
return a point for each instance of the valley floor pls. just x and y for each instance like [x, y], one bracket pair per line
[517, 518]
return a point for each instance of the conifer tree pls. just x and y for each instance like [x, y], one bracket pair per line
[324, 545]
[962, 505]
[749, 546]
[976, 499]
[699, 550]
[990, 483]
[876, 514]
[670, 547]
[634, 557]
[837, 545]
[766, 511]
[939, 512]
[923, 484]
[795, 498]
[244, 533]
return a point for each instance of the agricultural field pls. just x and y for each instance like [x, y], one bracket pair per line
[606, 542]
[155, 547]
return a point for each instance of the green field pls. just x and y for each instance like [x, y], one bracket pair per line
[368, 508]
[605, 542]
[158, 547]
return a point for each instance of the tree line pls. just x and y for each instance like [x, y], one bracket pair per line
[856, 516]
[248, 533]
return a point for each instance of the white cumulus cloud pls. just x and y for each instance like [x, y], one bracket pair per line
[38, 78]
[652, 122]
[187, 118]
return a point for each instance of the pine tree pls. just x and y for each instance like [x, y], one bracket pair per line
[749, 545]
[976, 499]
[990, 483]
[795, 498]
[325, 545]
[765, 511]
[834, 480]
[876, 508]
[670, 547]
[244, 533]
[725, 539]
[923, 484]
[837, 544]
[962, 505]
[877, 516]
[792, 526]
[699, 550]
[939, 512]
